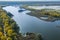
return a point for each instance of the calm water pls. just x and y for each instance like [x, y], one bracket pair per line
[29, 23]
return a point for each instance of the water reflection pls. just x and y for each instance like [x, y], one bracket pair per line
[9, 14]
[21, 10]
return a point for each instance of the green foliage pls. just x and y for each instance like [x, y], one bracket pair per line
[7, 26]
[9, 29]
[3, 38]
[9, 38]
[53, 13]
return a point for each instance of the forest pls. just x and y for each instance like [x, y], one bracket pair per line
[9, 29]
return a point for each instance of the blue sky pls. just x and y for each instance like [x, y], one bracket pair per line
[29, 0]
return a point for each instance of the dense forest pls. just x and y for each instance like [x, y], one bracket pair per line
[9, 30]
[8, 27]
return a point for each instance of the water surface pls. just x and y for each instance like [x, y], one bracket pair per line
[29, 23]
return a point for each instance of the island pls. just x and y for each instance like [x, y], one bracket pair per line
[46, 14]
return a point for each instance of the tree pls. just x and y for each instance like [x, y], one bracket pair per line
[1, 28]
[9, 38]
[3, 37]
[10, 32]
[1, 34]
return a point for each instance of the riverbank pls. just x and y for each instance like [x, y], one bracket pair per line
[51, 12]
[47, 12]
[41, 7]
[9, 30]
[42, 11]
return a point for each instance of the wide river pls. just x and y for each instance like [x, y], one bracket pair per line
[29, 23]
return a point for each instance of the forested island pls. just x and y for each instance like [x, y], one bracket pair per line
[9, 30]
[46, 13]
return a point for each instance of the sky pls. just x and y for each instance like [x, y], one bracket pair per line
[29, 0]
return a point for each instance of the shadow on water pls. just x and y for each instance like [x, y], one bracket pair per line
[9, 14]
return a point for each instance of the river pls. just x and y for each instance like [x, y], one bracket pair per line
[29, 23]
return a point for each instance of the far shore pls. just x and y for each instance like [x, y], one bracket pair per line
[42, 7]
